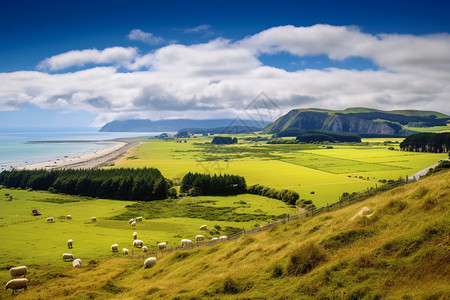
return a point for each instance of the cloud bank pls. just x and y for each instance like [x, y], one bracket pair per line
[221, 77]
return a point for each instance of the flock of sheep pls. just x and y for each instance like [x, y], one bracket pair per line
[22, 283]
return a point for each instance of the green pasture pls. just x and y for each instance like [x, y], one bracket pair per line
[30, 240]
[312, 170]
[429, 129]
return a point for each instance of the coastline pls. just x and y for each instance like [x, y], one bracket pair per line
[92, 160]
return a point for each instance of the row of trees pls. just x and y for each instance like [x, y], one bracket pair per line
[287, 196]
[427, 142]
[224, 140]
[125, 184]
[205, 184]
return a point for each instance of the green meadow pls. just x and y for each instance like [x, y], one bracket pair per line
[312, 170]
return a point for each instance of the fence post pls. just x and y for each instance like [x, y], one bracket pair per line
[288, 218]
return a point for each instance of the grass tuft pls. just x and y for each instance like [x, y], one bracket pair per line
[304, 259]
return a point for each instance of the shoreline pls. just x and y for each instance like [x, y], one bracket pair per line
[92, 160]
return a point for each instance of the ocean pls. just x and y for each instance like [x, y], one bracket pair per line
[16, 149]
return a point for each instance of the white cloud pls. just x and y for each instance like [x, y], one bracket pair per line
[80, 58]
[146, 37]
[221, 77]
[204, 28]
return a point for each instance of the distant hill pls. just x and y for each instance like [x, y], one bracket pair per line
[222, 130]
[359, 120]
[145, 125]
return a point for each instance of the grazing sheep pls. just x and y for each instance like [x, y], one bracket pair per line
[133, 223]
[162, 246]
[125, 251]
[362, 213]
[94, 219]
[18, 271]
[144, 249]
[67, 256]
[50, 219]
[69, 217]
[199, 237]
[203, 227]
[187, 243]
[223, 237]
[69, 244]
[214, 239]
[17, 284]
[149, 262]
[76, 263]
[135, 235]
[138, 243]
[115, 248]
[139, 219]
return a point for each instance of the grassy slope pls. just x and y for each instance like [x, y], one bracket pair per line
[401, 252]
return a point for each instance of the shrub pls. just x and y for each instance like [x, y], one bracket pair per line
[305, 259]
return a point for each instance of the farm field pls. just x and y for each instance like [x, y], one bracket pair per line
[33, 241]
[312, 170]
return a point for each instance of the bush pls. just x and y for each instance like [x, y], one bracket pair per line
[172, 193]
[305, 259]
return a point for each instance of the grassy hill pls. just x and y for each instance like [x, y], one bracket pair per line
[400, 252]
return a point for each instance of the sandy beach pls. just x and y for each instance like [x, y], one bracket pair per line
[96, 159]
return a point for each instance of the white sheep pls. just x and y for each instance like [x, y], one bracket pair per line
[70, 244]
[50, 219]
[115, 248]
[67, 256]
[18, 271]
[69, 217]
[203, 227]
[94, 219]
[363, 212]
[125, 251]
[162, 246]
[135, 235]
[223, 237]
[139, 219]
[133, 223]
[17, 284]
[187, 243]
[144, 249]
[199, 237]
[149, 262]
[76, 263]
[138, 243]
[214, 239]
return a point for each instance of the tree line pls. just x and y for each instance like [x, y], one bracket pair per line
[427, 142]
[287, 196]
[204, 184]
[122, 183]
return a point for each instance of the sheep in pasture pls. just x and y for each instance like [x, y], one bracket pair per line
[67, 256]
[199, 238]
[133, 223]
[69, 217]
[135, 235]
[363, 212]
[162, 246]
[18, 271]
[17, 284]
[203, 227]
[138, 243]
[76, 263]
[144, 249]
[139, 219]
[70, 244]
[115, 248]
[223, 237]
[125, 251]
[214, 239]
[94, 219]
[50, 219]
[187, 243]
[149, 262]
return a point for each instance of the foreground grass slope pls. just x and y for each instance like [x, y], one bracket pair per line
[400, 252]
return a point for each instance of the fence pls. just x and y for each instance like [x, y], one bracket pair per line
[343, 202]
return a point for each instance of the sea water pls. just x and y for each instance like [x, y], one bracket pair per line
[22, 148]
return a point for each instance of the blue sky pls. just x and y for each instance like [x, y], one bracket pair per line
[83, 63]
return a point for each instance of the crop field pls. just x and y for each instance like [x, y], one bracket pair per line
[312, 170]
[30, 240]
